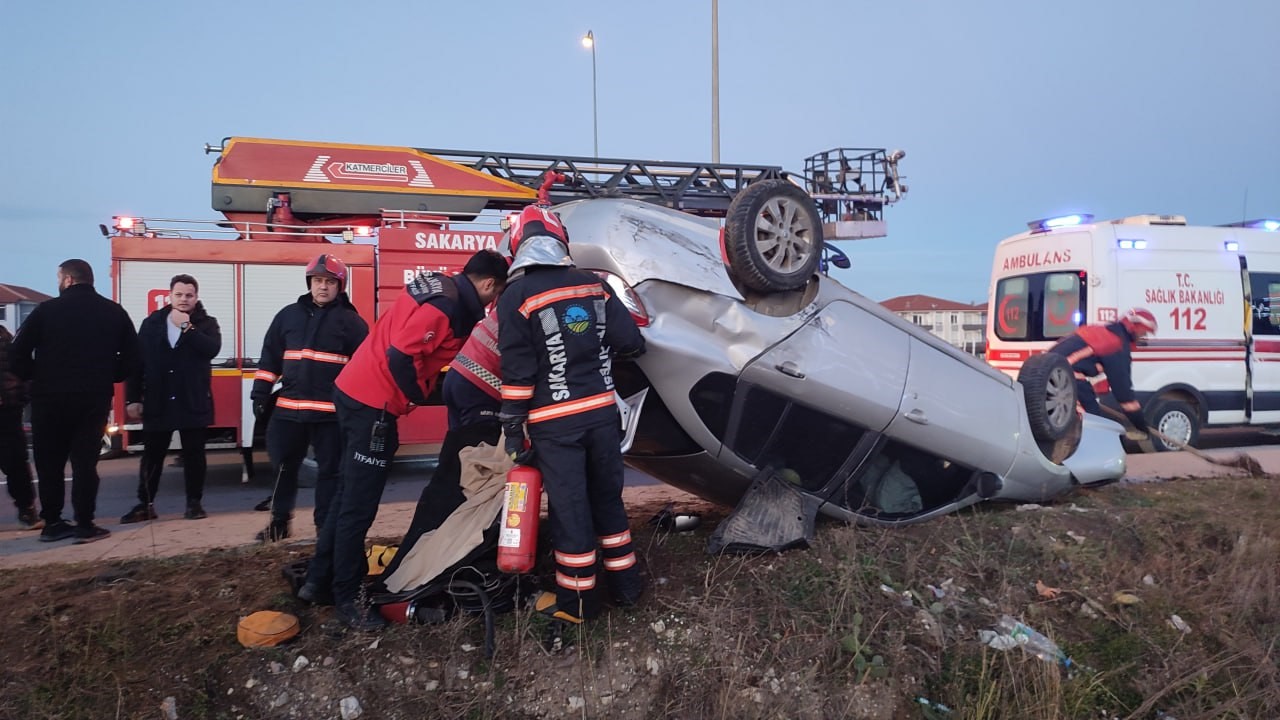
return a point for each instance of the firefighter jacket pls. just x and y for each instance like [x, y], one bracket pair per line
[78, 343]
[305, 348]
[1101, 352]
[411, 344]
[556, 329]
[13, 391]
[478, 361]
[173, 382]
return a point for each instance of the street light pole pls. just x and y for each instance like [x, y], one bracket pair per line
[715, 81]
[589, 41]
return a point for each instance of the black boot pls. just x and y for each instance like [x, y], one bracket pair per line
[277, 530]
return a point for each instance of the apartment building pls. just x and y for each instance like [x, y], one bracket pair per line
[960, 324]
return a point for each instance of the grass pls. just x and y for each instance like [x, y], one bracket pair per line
[864, 624]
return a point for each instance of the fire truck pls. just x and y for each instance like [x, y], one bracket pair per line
[391, 211]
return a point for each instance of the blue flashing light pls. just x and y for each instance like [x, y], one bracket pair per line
[1139, 244]
[1231, 245]
[1126, 244]
[1270, 225]
[1059, 222]
[1076, 317]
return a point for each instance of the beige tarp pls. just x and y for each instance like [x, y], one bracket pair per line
[484, 478]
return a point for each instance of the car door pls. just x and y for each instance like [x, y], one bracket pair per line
[958, 409]
[845, 361]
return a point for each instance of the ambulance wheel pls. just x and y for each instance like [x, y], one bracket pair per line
[1175, 419]
[773, 236]
[1049, 389]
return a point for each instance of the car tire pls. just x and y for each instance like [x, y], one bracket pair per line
[1176, 419]
[773, 236]
[1049, 389]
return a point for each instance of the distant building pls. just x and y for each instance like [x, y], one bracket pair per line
[16, 303]
[958, 323]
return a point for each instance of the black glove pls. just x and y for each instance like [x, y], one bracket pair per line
[259, 408]
[1139, 422]
[516, 446]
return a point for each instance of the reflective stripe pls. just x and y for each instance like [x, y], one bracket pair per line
[621, 563]
[1079, 355]
[265, 375]
[569, 407]
[317, 356]
[573, 583]
[479, 371]
[586, 559]
[316, 405]
[517, 392]
[541, 300]
[621, 538]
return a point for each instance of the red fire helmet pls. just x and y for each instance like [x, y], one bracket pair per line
[328, 266]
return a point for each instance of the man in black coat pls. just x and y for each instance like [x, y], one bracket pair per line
[171, 392]
[13, 440]
[72, 348]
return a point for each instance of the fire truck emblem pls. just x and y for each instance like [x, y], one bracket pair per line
[323, 171]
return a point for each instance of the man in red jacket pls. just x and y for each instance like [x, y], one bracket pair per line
[391, 373]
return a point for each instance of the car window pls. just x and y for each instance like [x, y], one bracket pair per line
[1266, 303]
[1039, 306]
[712, 398]
[899, 480]
[773, 431]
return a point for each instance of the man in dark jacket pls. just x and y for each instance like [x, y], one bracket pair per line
[307, 345]
[171, 391]
[393, 372]
[13, 439]
[558, 330]
[72, 348]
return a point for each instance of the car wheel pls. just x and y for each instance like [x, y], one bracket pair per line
[1049, 388]
[773, 236]
[1175, 419]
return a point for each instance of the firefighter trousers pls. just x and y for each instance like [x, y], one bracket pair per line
[14, 460]
[340, 561]
[155, 446]
[287, 443]
[68, 427]
[582, 473]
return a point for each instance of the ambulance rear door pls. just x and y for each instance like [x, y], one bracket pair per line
[1264, 342]
[1191, 280]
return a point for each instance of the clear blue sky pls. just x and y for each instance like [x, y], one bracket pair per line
[1008, 111]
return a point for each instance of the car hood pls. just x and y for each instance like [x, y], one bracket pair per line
[639, 241]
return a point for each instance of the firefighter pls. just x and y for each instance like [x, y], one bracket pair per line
[558, 327]
[306, 346]
[391, 373]
[1100, 356]
[472, 398]
[171, 392]
[73, 349]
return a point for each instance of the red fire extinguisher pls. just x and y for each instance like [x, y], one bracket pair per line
[518, 540]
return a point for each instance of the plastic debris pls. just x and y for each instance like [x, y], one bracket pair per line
[1031, 642]
[1075, 536]
[1027, 507]
[1179, 624]
[932, 709]
[1148, 580]
[170, 708]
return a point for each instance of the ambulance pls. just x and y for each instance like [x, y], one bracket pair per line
[1215, 360]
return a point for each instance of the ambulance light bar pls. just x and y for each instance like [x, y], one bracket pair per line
[1046, 224]
[1267, 224]
[1132, 244]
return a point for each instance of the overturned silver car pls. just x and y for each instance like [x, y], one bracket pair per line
[759, 363]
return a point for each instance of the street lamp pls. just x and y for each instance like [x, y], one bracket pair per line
[589, 41]
[715, 81]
